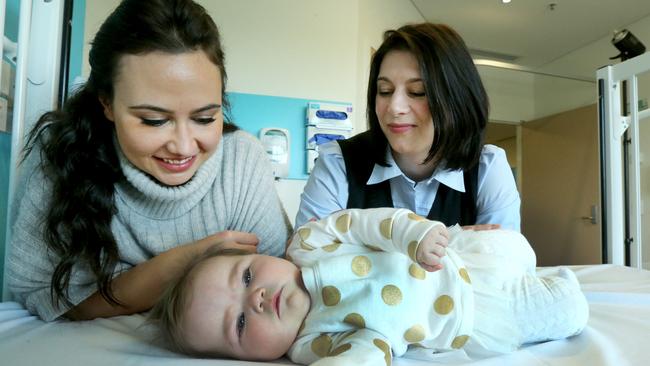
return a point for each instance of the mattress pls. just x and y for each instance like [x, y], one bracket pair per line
[619, 324]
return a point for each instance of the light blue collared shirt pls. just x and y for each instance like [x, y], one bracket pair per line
[497, 200]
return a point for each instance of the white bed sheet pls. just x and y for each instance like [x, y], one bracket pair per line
[617, 333]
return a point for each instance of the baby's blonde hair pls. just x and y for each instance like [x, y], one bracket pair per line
[170, 310]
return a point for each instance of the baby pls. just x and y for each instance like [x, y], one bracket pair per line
[362, 286]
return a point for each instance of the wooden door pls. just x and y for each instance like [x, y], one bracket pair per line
[560, 187]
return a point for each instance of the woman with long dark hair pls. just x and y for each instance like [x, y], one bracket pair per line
[139, 171]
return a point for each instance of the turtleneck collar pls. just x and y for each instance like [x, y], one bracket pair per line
[148, 197]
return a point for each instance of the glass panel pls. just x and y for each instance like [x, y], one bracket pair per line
[644, 147]
[7, 83]
[504, 135]
[548, 127]
[519, 95]
[643, 81]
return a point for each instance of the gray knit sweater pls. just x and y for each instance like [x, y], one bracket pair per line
[233, 190]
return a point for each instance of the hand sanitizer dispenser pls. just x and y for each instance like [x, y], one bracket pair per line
[276, 144]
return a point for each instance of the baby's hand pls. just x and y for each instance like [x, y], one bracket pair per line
[432, 248]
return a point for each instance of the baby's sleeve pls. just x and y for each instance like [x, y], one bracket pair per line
[362, 347]
[377, 229]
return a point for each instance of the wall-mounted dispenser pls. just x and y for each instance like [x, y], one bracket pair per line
[326, 122]
[276, 142]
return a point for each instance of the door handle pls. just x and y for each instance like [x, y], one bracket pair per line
[594, 215]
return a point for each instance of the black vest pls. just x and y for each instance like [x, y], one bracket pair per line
[450, 206]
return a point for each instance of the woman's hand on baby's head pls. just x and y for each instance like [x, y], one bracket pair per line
[432, 248]
[232, 240]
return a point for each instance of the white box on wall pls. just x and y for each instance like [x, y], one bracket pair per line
[326, 122]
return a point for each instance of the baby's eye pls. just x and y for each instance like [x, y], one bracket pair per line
[246, 278]
[241, 323]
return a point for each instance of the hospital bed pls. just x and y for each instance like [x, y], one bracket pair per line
[617, 333]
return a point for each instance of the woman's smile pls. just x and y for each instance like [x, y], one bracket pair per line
[176, 165]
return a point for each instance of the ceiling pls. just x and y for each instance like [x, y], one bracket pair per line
[532, 33]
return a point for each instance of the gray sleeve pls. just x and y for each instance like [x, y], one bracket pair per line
[253, 199]
[29, 263]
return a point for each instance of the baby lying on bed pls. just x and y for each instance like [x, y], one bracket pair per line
[362, 286]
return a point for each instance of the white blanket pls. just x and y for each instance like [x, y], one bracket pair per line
[616, 334]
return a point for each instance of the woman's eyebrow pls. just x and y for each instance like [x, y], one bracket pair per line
[207, 107]
[163, 110]
[150, 108]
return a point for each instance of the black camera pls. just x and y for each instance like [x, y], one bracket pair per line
[628, 44]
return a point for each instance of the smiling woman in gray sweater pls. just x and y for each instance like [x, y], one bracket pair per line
[139, 170]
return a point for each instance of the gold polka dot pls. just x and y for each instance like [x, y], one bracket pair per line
[361, 265]
[412, 250]
[417, 272]
[373, 248]
[340, 349]
[459, 341]
[331, 247]
[463, 273]
[415, 217]
[386, 228]
[331, 295]
[306, 246]
[355, 320]
[391, 295]
[444, 305]
[304, 233]
[321, 345]
[384, 347]
[343, 223]
[414, 334]
[416, 345]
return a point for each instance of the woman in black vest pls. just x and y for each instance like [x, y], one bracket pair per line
[427, 111]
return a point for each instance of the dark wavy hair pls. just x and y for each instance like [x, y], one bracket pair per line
[454, 91]
[76, 141]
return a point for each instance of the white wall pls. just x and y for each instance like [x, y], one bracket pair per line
[96, 12]
[302, 49]
[375, 17]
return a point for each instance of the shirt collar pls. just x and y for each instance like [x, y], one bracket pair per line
[453, 179]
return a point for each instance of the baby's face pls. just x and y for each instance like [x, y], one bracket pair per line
[247, 307]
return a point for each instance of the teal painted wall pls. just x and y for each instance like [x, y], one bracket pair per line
[11, 19]
[252, 112]
[77, 39]
[10, 31]
[5, 161]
